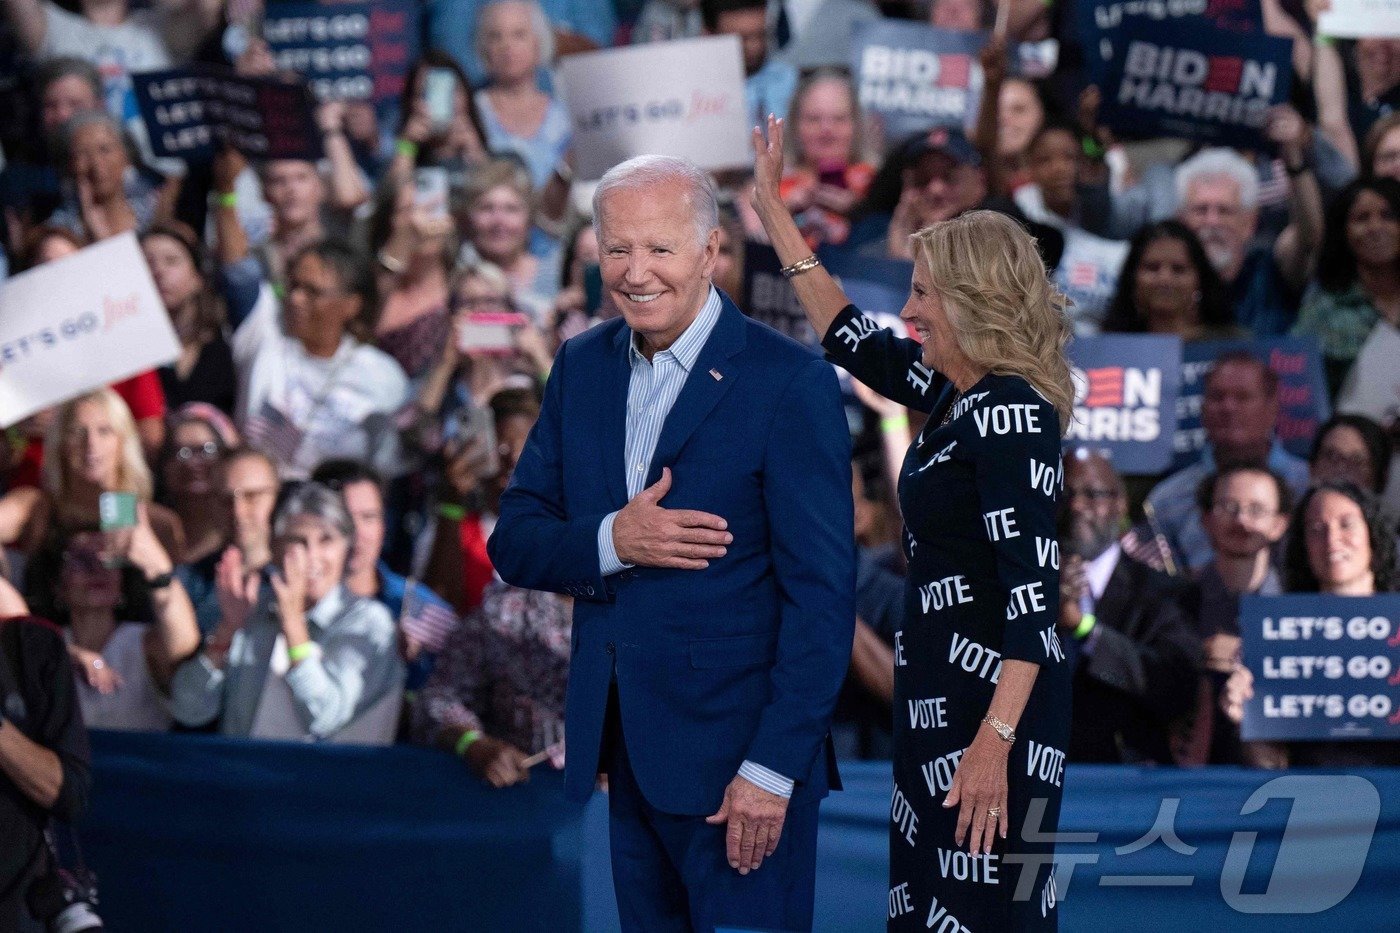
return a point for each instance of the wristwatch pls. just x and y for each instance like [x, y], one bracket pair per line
[1008, 735]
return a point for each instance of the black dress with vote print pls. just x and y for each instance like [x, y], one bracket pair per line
[977, 491]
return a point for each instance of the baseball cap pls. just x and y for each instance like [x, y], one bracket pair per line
[948, 140]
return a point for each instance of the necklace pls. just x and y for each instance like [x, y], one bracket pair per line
[952, 406]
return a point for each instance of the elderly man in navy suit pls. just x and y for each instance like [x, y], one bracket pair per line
[689, 484]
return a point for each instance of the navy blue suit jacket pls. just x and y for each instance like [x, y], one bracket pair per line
[743, 660]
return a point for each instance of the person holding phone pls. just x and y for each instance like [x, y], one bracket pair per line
[441, 126]
[92, 452]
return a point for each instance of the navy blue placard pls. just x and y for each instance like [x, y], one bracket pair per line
[1193, 81]
[1324, 667]
[1125, 392]
[914, 77]
[345, 51]
[872, 284]
[1098, 22]
[191, 112]
[1303, 404]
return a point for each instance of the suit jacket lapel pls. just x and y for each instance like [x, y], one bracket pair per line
[613, 437]
[702, 390]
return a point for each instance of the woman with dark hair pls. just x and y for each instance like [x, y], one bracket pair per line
[204, 370]
[1168, 286]
[1353, 449]
[311, 387]
[1342, 545]
[1358, 274]
[415, 245]
[424, 138]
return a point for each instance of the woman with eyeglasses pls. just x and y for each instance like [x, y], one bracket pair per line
[1353, 449]
[311, 385]
[199, 436]
[1341, 545]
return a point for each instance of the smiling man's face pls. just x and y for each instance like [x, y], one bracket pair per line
[654, 262]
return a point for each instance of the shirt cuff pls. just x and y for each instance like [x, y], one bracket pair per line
[608, 562]
[766, 778]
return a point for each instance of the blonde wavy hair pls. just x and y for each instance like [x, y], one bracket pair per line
[1006, 315]
[132, 473]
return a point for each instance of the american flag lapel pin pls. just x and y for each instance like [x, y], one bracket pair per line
[717, 374]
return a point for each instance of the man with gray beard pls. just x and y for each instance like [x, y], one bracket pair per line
[1218, 198]
[1135, 652]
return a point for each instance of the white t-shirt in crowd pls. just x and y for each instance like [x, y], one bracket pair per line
[135, 706]
[339, 407]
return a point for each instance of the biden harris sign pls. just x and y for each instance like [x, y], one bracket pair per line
[1125, 391]
[1204, 84]
[671, 98]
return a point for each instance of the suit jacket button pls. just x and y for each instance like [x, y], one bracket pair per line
[588, 592]
[612, 648]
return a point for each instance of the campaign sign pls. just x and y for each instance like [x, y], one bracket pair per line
[1302, 391]
[345, 51]
[1125, 391]
[1207, 85]
[1356, 19]
[914, 77]
[878, 287]
[1324, 667]
[191, 112]
[1088, 274]
[77, 323]
[671, 98]
[1099, 22]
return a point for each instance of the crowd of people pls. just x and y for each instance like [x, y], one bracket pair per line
[361, 361]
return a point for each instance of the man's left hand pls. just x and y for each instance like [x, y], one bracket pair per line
[755, 819]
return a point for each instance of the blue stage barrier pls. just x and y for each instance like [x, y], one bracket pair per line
[200, 833]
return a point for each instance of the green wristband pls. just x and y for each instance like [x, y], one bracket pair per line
[227, 199]
[454, 513]
[298, 653]
[1086, 625]
[406, 147]
[894, 423]
[465, 742]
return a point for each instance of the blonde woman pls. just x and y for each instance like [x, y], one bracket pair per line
[92, 447]
[981, 685]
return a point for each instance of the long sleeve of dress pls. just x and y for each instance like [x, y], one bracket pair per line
[880, 358]
[1018, 475]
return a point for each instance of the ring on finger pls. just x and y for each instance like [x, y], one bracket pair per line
[994, 812]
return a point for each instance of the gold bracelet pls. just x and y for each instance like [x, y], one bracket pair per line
[802, 265]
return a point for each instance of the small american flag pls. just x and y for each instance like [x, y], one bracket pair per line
[272, 432]
[425, 619]
[1140, 544]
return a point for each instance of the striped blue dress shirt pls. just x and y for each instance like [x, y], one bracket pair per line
[651, 392]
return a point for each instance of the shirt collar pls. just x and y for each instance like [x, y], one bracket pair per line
[1098, 571]
[1277, 459]
[329, 608]
[686, 349]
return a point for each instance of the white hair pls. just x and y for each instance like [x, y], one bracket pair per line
[539, 25]
[647, 170]
[1219, 163]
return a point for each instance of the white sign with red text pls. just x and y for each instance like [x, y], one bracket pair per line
[79, 323]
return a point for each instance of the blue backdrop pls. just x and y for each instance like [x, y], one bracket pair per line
[202, 833]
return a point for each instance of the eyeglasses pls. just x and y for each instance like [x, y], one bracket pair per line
[1335, 458]
[1250, 510]
[206, 451]
[249, 495]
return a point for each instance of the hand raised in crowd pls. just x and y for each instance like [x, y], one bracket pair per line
[94, 671]
[1073, 586]
[330, 117]
[468, 464]
[289, 586]
[768, 166]
[530, 342]
[143, 550]
[993, 60]
[237, 592]
[417, 126]
[256, 61]
[1287, 129]
[102, 220]
[1238, 689]
[648, 535]
[497, 762]
[228, 164]
[835, 199]
[755, 820]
